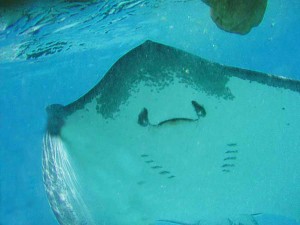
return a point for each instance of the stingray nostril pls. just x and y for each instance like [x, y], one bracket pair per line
[143, 118]
[201, 112]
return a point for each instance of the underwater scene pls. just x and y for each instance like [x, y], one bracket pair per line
[140, 112]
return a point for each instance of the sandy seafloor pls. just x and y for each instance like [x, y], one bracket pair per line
[55, 52]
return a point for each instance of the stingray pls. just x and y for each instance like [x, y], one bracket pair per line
[237, 16]
[167, 137]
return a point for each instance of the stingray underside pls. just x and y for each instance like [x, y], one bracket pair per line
[169, 136]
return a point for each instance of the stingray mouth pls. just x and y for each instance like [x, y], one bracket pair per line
[143, 119]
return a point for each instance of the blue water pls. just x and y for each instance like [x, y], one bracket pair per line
[55, 52]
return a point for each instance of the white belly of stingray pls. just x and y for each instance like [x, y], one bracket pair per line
[241, 157]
